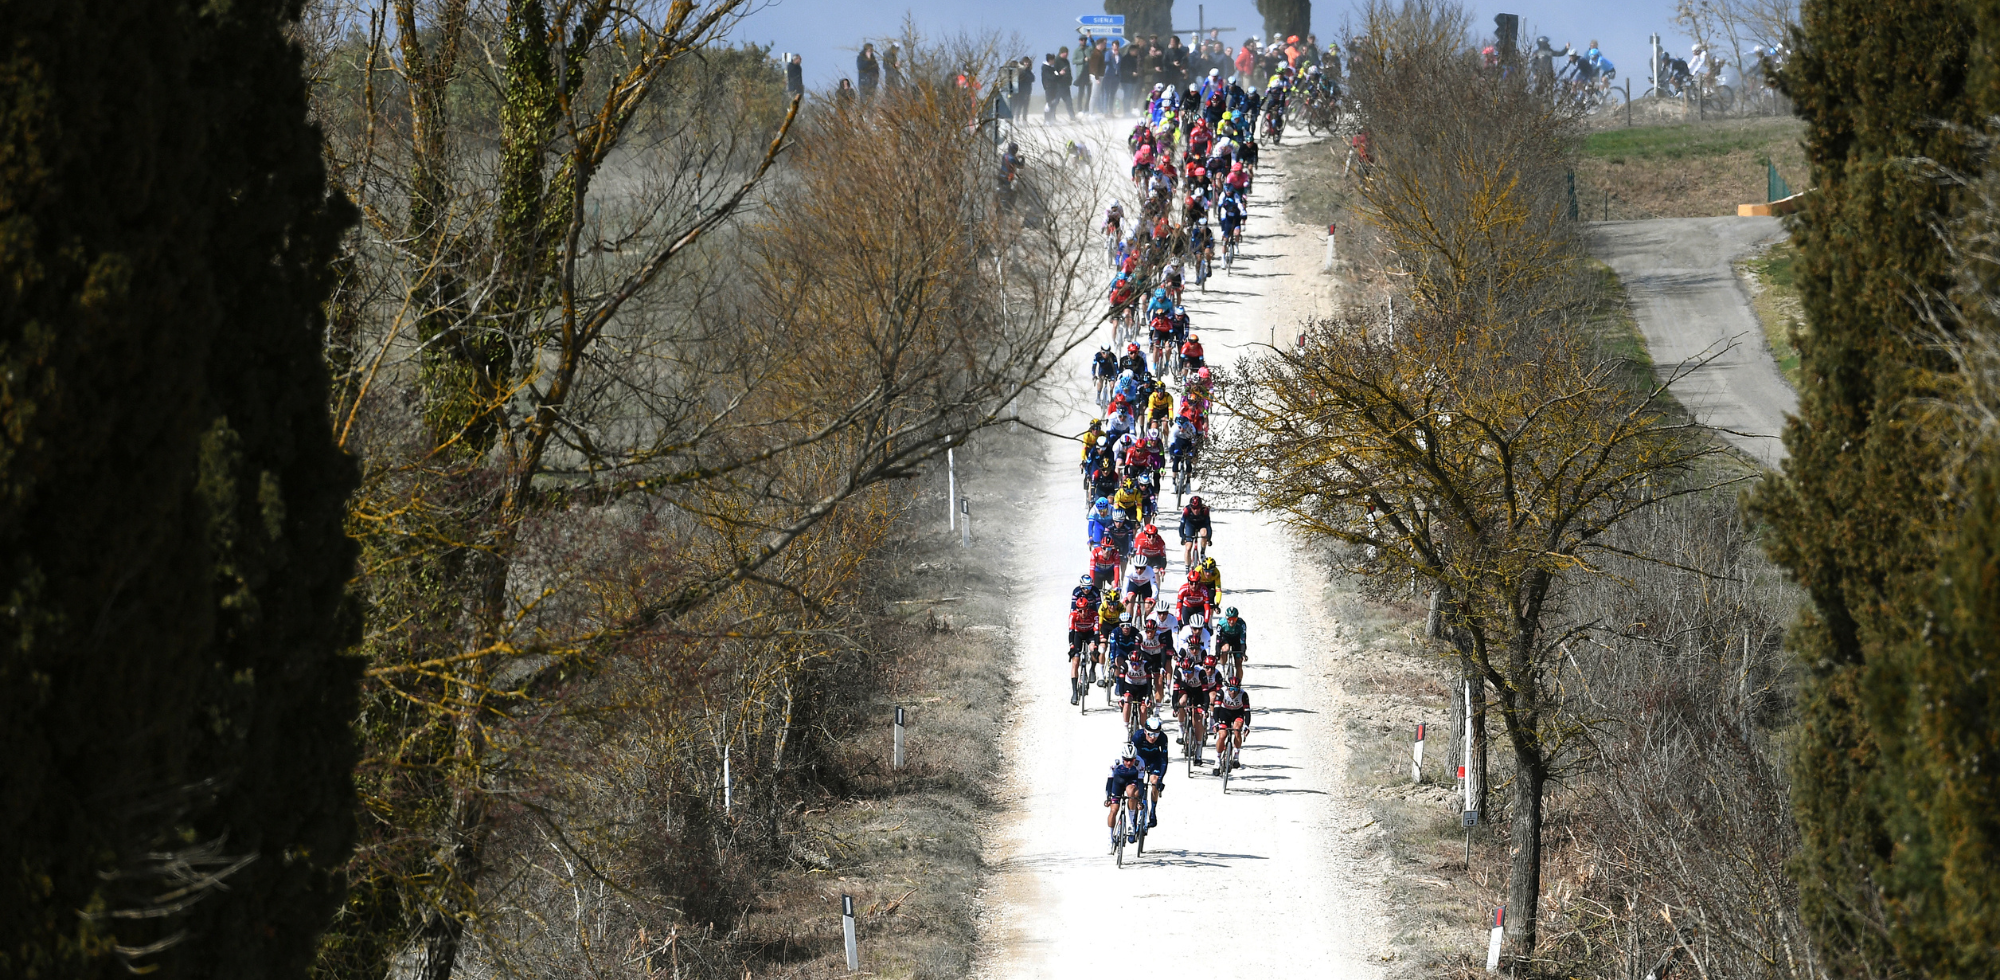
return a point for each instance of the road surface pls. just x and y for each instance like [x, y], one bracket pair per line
[1262, 882]
[1690, 306]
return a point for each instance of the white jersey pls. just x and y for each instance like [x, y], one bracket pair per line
[1140, 575]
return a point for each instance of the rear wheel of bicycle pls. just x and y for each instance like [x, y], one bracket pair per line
[1123, 828]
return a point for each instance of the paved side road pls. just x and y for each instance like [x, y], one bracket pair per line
[1690, 305]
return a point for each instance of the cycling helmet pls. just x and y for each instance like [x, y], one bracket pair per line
[1202, 374]
[1233, 684]
[1104, 501]
[1150, 529]
[1096, 423]
[1208, 661]
[1131, 349]
[1153, 724]
[1194, 500]
[1215, 73]
[1083, 580]
[1208, 563]
[1194, 339]
[1230, 612]
[1128, 753]
[1194, 574]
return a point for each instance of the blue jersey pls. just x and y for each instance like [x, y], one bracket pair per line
[1153, 755]
[1123, 773]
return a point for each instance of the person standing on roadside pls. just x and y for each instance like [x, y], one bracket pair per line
[1024, 87]
[1176, 57]
[1093, 73]
[1246, 61]
[795, 76]
[867, 70]
[1107, 102]
[892, 66]
[1067, 72]
[1055, 87]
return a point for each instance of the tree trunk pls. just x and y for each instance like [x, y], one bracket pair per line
[1478, 774]
[1524, 879]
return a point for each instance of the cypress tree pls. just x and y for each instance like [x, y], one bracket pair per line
[173, 706]
[1857, 512]
[1286, 17]
[1144, 18]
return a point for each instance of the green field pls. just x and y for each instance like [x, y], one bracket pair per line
[1683, 142]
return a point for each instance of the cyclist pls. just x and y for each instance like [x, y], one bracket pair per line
[1121, 532]
[1135, 679]
[1233, 638]
[1139, 588]
[1196, 528]
[1193, 683]
[1104, 371]
[1231, 711]
[1122, 784]
[1096, 519]
[1158, 648]
[1159, 406]
[1127, 498]
[1211, 575]
[1134, 366]
[1149, 743]
[1193, 600]
[1082, 630]
[1151, 547]
[1232, 211]
[1104, 565]
[1192, 356]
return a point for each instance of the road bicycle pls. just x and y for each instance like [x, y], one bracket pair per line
[1194, 735]
[1143, 822]
[1122, 831]
[1086, 674]
[1225, 759]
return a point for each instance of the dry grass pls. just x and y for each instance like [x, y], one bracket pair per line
[906, 844]
[1775, 297]
[1685, 170]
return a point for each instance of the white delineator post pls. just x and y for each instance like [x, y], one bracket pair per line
[951, 490]
[725, 779]
[1327, 266]
[899, 738]
[1417, 757]
[1492, 944]
[965, 525]
[847, 930]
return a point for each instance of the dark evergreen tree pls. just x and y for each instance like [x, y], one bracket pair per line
[1144, 18]
[1855, 516]
[173, 709]
[1286, 17]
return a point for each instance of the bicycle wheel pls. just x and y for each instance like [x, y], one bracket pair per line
[1724, 98]
[1122, 830]
[1145, 820]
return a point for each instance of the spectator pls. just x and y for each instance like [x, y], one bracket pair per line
[1093, 74]
[1137, 70]
[1312, 50]
[868, 70]
[1176, 73]
[843, 95]
[1541, 64]
[1055, 87]
[1024, 87]
[1114, 59]
[1246, 62]
[795, 76]
[1068, 78]
[892, 66]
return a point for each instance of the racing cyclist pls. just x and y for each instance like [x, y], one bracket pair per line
[1149, 743]
[1233, 638]
[1230, 710]
[1122, 784]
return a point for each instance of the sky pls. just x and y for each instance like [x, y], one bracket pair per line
[827, 33]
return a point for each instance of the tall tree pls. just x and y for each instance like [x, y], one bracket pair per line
[1286, 17]
[173, 711]
[1858, 509]
[1144, 18]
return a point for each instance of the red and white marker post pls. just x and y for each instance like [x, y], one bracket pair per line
[1493, 944]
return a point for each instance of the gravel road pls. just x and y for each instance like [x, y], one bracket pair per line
[1690, 306]
[1269, 880]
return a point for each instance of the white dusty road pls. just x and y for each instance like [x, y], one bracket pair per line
[1261, 883]
[1691, 307]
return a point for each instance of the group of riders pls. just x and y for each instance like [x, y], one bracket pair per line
[1160, 644]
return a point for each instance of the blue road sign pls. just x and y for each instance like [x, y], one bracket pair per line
[1102, 20]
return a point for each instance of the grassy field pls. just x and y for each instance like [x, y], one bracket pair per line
[1685, 170]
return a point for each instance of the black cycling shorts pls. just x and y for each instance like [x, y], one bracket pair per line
[1226, 717]
[1078, 639]
[1142, 590]
[1135, 691]
[1190, 697]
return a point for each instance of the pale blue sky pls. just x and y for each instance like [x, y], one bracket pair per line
[829, 32]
